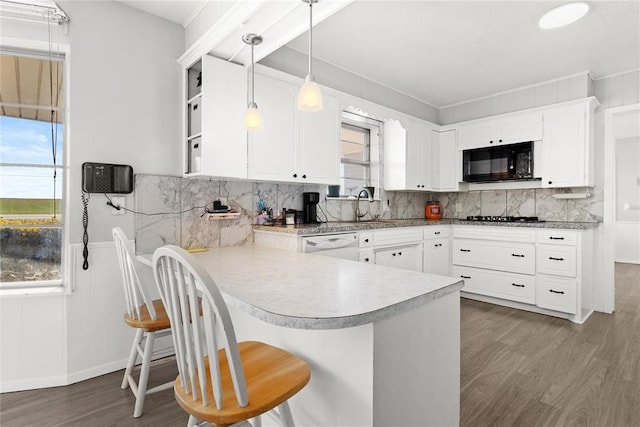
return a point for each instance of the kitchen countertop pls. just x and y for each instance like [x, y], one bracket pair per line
[339, 227]
[306, 291]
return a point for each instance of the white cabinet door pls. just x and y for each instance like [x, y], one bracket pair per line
[418, 156]
[395, 155]
[407, 155]
[564, 147]
[272, 149]
[444, 161]
[519, 128]
[500, 130]
[223, 144]
[403, 257]
[436, 256]
[320, 149]
[476, 134]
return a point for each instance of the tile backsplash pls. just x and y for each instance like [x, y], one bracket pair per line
[174, 207]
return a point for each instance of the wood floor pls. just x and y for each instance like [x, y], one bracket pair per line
[518, 369]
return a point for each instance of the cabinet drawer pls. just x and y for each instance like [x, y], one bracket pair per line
[506, 234]
[366, 255]
[506, 256]
[511, 286]
[396, 236]
[557, 237]
[556, 293]
[365, 239]
[557, 260]
[435, 232]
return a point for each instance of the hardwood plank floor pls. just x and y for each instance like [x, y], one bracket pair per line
[518, 369]
[526, 369]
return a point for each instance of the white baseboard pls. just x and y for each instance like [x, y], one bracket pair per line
[74, 377]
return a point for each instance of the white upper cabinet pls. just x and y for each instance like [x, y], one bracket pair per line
[567, 145]
[444, 160]
[215, 139]
[293, 146]
[407, 155]
[272, 149]
[320, 149]
[498, 130]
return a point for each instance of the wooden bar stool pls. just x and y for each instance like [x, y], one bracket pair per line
[219, 380]
[148, 317]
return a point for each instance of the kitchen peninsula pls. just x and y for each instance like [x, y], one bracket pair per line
[383, 344]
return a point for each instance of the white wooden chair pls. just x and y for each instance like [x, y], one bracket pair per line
[219, 380]
[148, 317]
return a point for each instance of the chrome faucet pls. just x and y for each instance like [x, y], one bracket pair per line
[368, 193]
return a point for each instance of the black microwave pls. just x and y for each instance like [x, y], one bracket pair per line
[508, 162]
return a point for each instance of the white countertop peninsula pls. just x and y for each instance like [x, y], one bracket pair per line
[383, 344]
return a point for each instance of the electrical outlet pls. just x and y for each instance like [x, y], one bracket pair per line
[117, 201]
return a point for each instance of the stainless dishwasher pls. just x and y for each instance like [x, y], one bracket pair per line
[343, 245]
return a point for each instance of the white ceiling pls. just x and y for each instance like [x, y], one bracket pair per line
[446, 52]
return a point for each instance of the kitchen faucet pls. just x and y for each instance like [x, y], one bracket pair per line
[368, 193]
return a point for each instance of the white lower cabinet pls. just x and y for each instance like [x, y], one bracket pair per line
[398, 248]
[436, 251]
[404, 257]
[542, 270]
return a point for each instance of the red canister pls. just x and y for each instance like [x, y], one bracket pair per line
[432, 210]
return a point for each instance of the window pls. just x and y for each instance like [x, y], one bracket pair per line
[359, 148]
[31, 169]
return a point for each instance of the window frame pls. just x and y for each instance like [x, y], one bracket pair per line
[40, 49]
[374, 143]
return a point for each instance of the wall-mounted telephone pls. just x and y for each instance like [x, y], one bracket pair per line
[107, 178]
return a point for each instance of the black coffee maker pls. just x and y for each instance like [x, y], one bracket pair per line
[310, 200]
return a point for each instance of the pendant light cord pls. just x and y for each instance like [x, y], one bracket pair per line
[310, 34]
[253, 72]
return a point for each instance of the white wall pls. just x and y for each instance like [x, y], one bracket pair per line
[293, 62]
[124, 107]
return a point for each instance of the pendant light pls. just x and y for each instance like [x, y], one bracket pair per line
[309, 97]
[252, 118]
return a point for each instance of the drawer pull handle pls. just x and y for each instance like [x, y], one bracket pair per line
[366, 240]
[399, 253]
[556, 238]
[436, 232]
[465, 250]
[465, 277]
[437, 245]
[517, 285]
[556, 292]
[556, 259]
[366, 259]
[518, 255]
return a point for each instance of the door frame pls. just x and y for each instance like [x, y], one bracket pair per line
[609, 220]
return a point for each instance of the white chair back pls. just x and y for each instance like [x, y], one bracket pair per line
[185, 286]
[134, 291]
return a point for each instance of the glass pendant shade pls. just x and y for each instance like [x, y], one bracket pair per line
[252, 117]
[309, 97]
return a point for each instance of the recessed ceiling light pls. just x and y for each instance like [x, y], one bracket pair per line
[563, 15]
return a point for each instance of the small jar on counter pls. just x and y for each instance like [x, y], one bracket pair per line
[432, 210]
